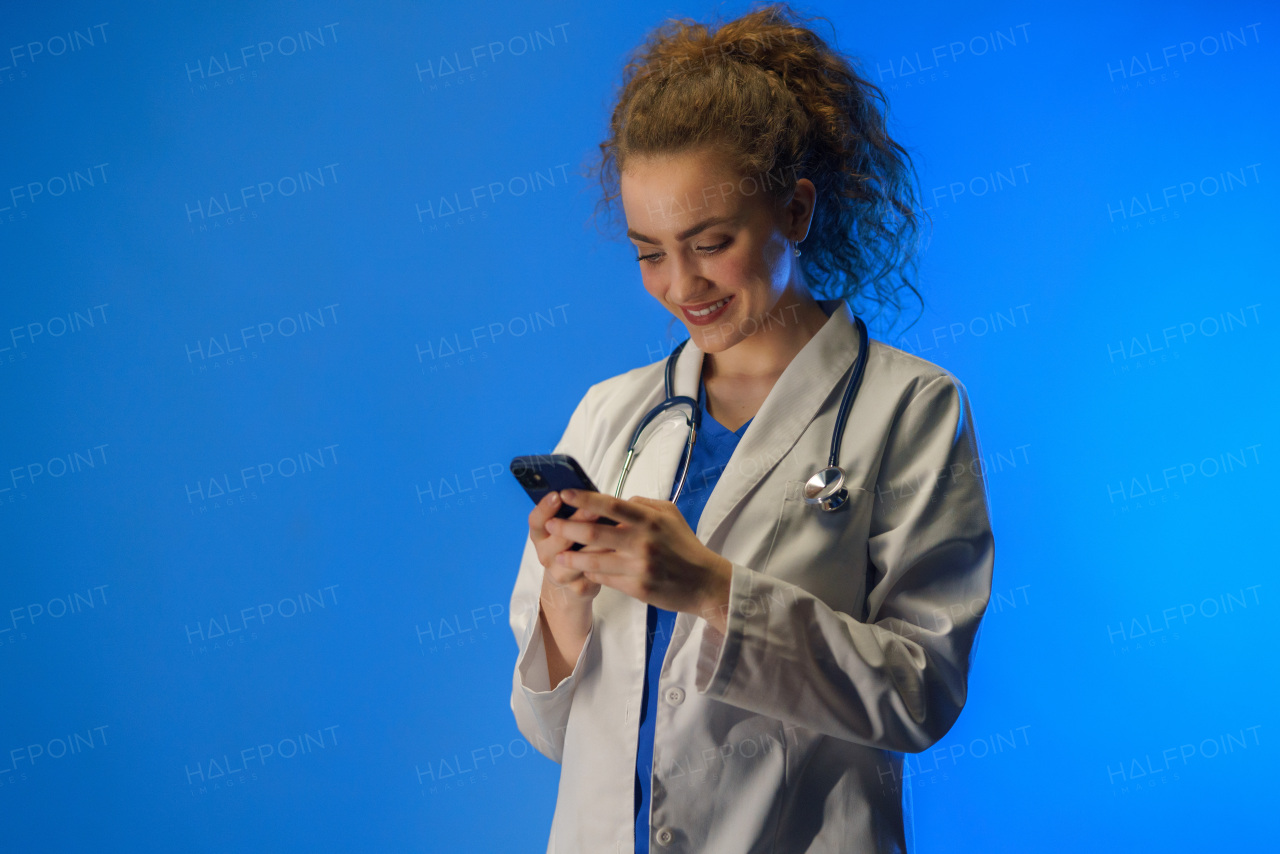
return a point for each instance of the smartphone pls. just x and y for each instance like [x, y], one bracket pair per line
[543, 473]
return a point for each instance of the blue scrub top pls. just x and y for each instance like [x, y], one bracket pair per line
[711, 452]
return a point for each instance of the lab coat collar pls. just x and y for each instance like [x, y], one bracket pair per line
[792, 404]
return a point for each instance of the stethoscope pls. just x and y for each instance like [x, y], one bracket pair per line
[824, 489]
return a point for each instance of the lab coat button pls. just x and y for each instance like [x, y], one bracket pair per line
[664, 836]
[675, 696]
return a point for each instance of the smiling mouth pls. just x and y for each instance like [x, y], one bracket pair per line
[703, 312]
[709, 313]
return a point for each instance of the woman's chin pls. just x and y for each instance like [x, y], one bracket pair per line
[715, 338]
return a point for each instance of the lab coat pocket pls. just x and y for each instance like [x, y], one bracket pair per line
[823, 552]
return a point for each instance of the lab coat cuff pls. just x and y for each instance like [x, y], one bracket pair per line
[532, 666]
[719, 652]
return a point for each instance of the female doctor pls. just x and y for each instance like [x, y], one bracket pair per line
[740, 669]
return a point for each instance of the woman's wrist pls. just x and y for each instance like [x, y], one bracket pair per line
[565, 633]
[563, 612]
[715, 605]
[562, 601]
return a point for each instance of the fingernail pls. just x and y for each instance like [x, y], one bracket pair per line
[569, 494]
[554, 498]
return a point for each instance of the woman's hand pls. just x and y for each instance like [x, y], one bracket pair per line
[564, 603]
[563, 587]
[651, 555]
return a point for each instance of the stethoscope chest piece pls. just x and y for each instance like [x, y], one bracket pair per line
[826, 489]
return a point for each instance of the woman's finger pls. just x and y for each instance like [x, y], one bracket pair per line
[608, 569]
[584, 515]
[589, 533]
[547, 508]
[542, 511]
[617, 509]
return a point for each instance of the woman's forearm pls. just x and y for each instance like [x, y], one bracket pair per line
[564, 631]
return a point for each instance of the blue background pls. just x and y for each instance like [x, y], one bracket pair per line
[1109, 334]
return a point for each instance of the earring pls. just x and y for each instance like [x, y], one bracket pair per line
[796, 249]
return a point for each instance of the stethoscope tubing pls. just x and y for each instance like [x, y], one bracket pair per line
[850, 392]
[695, 422]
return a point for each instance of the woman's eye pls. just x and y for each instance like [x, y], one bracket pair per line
[655, 257]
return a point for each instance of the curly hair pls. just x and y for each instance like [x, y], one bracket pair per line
[778, 101]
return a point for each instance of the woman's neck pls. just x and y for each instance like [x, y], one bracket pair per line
[766, 354]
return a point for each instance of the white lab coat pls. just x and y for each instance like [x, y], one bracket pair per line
[849, 633]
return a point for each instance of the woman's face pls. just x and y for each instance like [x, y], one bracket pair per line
[712, 246]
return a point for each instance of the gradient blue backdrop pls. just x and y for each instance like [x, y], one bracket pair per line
[285, 286]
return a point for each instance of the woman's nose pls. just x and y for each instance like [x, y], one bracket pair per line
[687, 282]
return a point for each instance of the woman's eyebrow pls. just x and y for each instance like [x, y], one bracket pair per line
[688, 232]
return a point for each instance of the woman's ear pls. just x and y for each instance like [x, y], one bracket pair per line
[799, 210]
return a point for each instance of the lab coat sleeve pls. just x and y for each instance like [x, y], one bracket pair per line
[541, 709]
[897, 680]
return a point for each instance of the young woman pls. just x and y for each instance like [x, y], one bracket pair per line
[735, 667]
